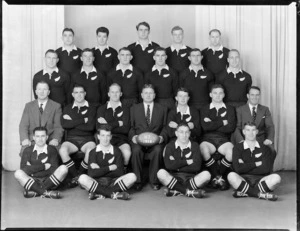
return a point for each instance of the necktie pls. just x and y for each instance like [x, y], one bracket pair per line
[148, 115]
[41, 108]
[253, 114]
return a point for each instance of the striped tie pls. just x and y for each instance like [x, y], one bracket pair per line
[148, 115]
[41, 108]
[253, 114]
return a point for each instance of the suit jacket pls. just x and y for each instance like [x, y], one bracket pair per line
[50, 119]
[139, 124]
[263, 122]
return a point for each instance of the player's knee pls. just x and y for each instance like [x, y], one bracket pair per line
[228, 154]
[161, 174]
[62, 170]
[19, 174]
[83, 178]
[132, 177]
[232, 177]
[206, 175]
[275, 178]
[63, 151]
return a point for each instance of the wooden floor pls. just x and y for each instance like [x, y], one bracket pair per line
[149, 209]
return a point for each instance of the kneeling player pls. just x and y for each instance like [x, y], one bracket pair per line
[39, 168]
[182, 159]
[252, 163]
[105, 170]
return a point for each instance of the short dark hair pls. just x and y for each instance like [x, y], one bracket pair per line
[159, 49]
[143, 24]
[76, 85]
[87, 50]
[68, 29]
[124, 49]
[40, 129]
[148, 85]
[217, 85]
[214, 30]
[193, 50]
[254, 87]
[182, 89]
[176, 28]
[103, 30]
[43, 82]
[105, 127]
[51, 51]
[182, 124]
[250, 123]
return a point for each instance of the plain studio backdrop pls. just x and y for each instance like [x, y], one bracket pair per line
[264, 35]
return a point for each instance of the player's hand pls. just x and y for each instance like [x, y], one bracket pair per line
[172, 124]
[120, 123]
[86, 119]
[161, 139]
[94, 166]
[67, 117]
[191, 125]
[189, 162]
[54, 142]
[26, 142]
[206, 119]
[112, 167]
[225, 122]
[134, 139]
[268, 142]
[101, 120]
[258, 163]
[47, 166]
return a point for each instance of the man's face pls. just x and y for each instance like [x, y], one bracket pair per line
[87, 58]
[234, 59]
[114, 93]
[195, 58]
[68, 38]
[51, 60]
[42, 91]
[250, 132]
[183, 134]
[215, 39]
[40, 138]
[253, 96]
[177, 36]
[78, 94]
[102, 39]
[124, 57]
[104, 138]
[160, 58]
[217, 95]
[148, 95]
[143, 32]
[182, 98]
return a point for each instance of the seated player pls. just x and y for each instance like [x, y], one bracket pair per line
[39, 171]
[128, 77]
[218, 122]
[184, 114]
[105, 173]
[78, 120]
[147, 117]
[183, 161]
[105, 56]
[69, 54]
[163, 78]
[57, 79]
[253, 163]
[117, 116]
[197, 80]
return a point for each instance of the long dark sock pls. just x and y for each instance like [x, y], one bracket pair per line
[174, 184]
[83, 167]
[244, 187]
[263, 187]
[71, 168]
[51, 182]
[212, 167]
[32, 185]
[225, 167]
[192, 184]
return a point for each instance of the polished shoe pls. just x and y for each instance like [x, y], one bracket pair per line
[30, 194]
[172, 193]
[267, 196]
[155, 186]
[94, 196]
[238, 194]
[138, 187]
[51, 195]
[120, 196]
[224, 185]
[197, 193]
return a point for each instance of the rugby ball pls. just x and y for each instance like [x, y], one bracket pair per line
[147, 139]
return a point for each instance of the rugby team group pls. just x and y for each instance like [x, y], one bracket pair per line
[211, 129]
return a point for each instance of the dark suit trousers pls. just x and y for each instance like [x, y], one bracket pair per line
[137, 161]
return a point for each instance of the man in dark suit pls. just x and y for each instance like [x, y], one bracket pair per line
[147, 117]
[42, 112]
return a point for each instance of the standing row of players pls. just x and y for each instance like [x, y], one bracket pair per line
[177, 167]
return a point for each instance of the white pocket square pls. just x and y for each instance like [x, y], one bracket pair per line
[182, 55]
[108, 55]
[242, 79]
[84, 112]
[111, 160]
[93, 78]
[203, 76]
[150, 51]
[128, 76]
[56, 79]
[75, 57]
[258, 155]
[166, 75]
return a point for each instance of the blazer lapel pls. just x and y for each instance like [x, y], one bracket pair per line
[154, 114]
[36, 113]
[248, 112]
[259, 114]
[46, 113]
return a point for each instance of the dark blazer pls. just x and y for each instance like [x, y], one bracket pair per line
[139, 124]
[263, 122]
[50, 119]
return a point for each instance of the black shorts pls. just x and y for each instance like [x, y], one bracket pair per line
[106, 181]
[252, 180]
[79, 141]
[215, 139]
[118, 140]
[183, 177]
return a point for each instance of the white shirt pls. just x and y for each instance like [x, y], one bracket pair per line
[129, 67]
[181, 48]
[44, 104]
[189, 145]
[110, 150]
[154, 68]
[251, 108]
[246, 146]
[87, 73]
[46, 72]
[86, 103]
[101, 50]
[212, 48]
[39, 151]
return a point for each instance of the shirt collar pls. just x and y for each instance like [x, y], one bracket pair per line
[146, 104]
[44, 103]
[45, 71]
[45, 149]
[191, 68]
[246, 146]
[93, 70]
[211, 106]
[99, 148]
[181, 48]
[86, 104]
[228, 71]
[73, 48]
[186, 113]
[99, 48]
[251, 106]
[219, 49]
[130, 67]
[189, 145]
[138, 43]
[165, 67]
[109, 105]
